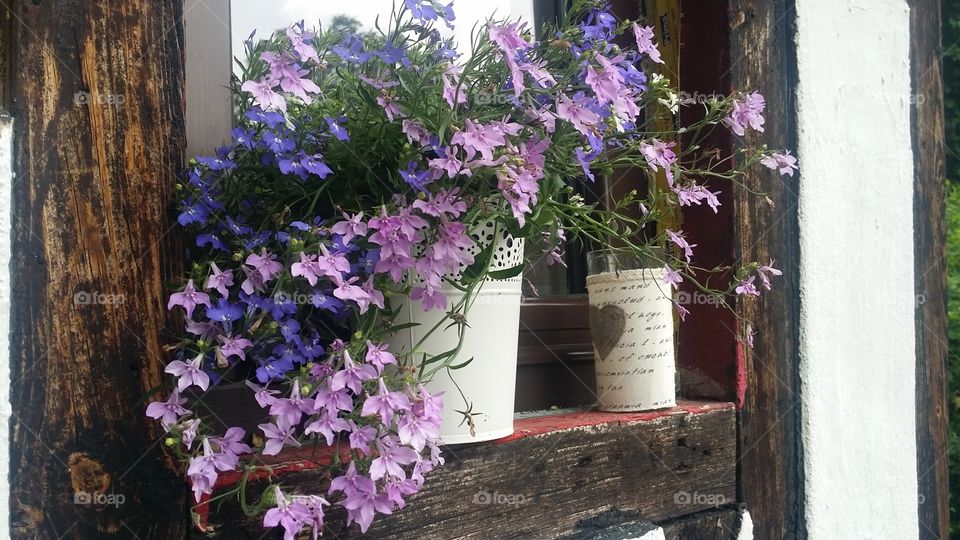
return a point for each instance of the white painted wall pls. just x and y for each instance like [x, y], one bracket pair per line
[6, 183]
[856, 277]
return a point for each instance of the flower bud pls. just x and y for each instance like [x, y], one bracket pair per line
[170, 441]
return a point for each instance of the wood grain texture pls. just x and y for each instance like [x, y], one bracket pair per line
[540, 486]
[930, 268]
[97, 96]
[770, 458]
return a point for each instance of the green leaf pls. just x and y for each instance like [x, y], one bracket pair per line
[506, 273]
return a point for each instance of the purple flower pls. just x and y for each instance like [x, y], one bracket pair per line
[783, 163]
[378, 356]
[385, 404]
[417, 430]
[232, 442]
[746, 112]
[298, 40]
[393, 456]
[671, 277]
[680, 242]
[224, 312]
[351, 227]
[234, 346]
[291, 515]
[644, 36]
[314, 504]
[333, 401]
[290, 410]
[266, 264]
[584, 159]
[763, 270]
[307, 268]
[352, 482]
[336, 129]
[220, 281]
[333, 265]
[361, 437]
[660, 154]
[278, 435]
[453, 92]
[189, 373]
[169, 411]
[478, 138]
[189, 432]
[189, 299]
[747, 288]
[315, 165]
[264, 96]
[417, 179]
[361, 506]
[193, 212]
[352, 375]
[578, 113]
[346, 290]
[327, 424]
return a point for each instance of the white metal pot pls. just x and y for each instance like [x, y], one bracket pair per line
[631, 321]
[488, 383]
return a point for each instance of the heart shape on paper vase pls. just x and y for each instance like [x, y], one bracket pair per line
[606, 326]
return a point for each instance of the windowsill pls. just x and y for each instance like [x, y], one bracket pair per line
[558, 467]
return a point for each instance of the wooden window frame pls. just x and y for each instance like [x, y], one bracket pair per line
[109, 198]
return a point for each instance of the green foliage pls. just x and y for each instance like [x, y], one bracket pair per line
[951, 85]
[953, 332]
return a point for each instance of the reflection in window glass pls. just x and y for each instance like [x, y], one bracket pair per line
[247, 15]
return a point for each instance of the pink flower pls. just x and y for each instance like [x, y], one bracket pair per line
[291, 409]
[385, 404]
[328, 425]
[307, 268]
[265, 264]
[746, 287]
[189, 299]
[264, 96]
[644, 36]
[393, 456]
[660, 154]
[232, 442]
[291, 515]
[346, 290]
[352, 375]
[231, 346]
[606, 83]
[680, 242]
[278, 434]
[746, 112]
[783, 163]
[220, 281]
[577, 113]
[350, 228]
[189, 373]
[451, 93]
[478, 138]
[763, 270]
[508, 36]
[378, 355]
[671, 277]
[298, 39]
[332, 265]
[169, 411]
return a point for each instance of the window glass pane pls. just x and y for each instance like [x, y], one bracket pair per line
[247, 15]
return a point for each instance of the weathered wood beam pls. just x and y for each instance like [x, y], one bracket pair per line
[96, 88]
[770, 460]
[930, 268]
[551, 474]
